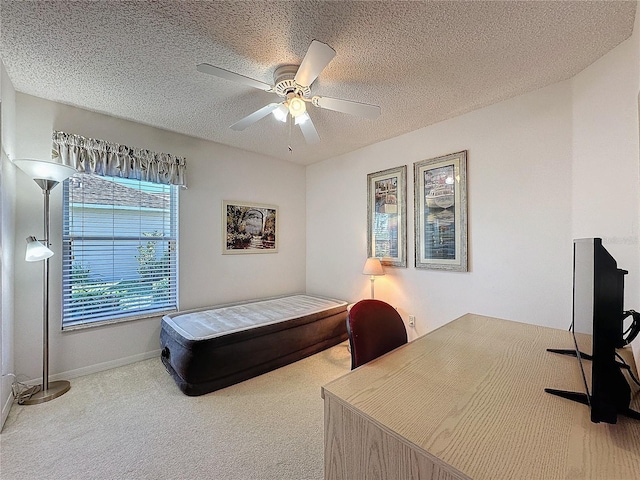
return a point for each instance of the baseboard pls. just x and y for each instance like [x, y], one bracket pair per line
[98, 367]
[101, 367]
[5, 409]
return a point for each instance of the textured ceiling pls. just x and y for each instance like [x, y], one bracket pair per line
[420, 61]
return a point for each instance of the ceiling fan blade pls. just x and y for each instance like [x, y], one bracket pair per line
[254, 117]
[347, 106]
[317, 57]
[234, 77]
[309, 131]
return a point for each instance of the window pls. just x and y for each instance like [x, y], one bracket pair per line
[119, 249]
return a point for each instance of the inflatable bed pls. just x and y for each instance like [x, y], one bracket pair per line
[211, 348]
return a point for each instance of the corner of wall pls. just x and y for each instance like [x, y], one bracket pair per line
[635, 346]
[7, 229]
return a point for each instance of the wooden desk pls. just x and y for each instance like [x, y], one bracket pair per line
[467, 401]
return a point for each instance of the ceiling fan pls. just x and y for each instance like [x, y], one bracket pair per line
[293, 84]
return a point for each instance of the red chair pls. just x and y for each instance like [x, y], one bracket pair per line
[374, 328]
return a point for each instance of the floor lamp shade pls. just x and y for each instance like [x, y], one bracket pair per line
[47, 175]
[36, 251]
[43, 170]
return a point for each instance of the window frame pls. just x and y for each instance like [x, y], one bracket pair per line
[70, 324]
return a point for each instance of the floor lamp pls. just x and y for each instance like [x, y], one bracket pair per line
[47, 175]
[373, 268]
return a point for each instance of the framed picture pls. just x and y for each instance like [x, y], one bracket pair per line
[249, 228]
[387, 216]
[441, 212]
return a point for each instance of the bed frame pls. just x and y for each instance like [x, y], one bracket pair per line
[208, 349]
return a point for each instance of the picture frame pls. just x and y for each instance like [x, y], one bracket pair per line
[440, 186]
[387, 216]
[249, 228]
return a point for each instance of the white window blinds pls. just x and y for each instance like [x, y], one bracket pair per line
[119, 249]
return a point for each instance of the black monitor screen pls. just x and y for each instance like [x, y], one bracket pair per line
[598, 293]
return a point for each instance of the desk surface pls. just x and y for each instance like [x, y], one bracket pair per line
[470, 396]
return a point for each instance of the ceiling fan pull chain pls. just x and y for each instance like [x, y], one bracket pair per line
[290, 122]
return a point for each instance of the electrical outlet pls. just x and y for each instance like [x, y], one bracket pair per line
[412, 320]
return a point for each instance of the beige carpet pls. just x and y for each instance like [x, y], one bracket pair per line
[133, 423]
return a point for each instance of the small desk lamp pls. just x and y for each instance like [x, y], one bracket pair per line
[47, 175]
[373, 268]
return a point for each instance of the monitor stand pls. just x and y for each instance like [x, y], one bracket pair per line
[571, 353]
[584, 356]
[583, 398]
[577, 397]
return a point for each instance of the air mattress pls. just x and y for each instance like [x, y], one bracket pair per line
[215, 347]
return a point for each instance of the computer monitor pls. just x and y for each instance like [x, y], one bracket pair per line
[598, 297]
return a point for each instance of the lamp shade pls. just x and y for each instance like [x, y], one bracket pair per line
[281, 113]
[372, 267]
[43, 170]
[36, 251]
[296, 106]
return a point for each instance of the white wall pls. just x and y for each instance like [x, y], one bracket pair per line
[606, 160]
[215, 173]
[606, 169]
[7, 222]
[636, 36]
[543, 168]
[519, 216]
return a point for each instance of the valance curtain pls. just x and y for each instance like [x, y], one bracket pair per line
[88, 155]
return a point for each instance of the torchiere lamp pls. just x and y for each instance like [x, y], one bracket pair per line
[47, 175]
[373, 268]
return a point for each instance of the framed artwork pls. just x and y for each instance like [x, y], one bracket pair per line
[249, 228]
[441, 212]
[387, 216]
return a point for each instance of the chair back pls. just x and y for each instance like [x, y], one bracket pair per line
[374, 328]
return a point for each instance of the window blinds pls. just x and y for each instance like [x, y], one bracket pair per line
[119, 249]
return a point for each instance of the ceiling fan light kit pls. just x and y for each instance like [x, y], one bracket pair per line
[281, 113]
[293, 84]
[296, 106]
